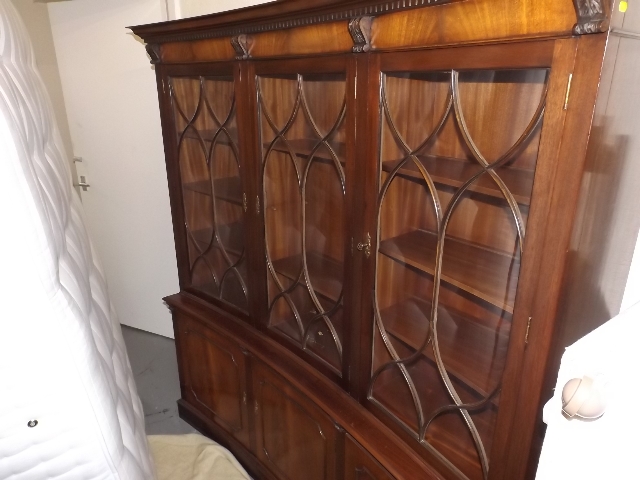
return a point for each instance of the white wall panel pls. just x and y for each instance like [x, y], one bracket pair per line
[112, 105]
[193, 8]
[36, 18]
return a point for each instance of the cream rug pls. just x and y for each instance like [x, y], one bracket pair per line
[193, 457]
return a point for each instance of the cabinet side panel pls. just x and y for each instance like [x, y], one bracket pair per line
[605, 232]
[608, 220]
[555, 244]
[551, 138]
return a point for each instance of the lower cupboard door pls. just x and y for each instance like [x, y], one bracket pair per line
[213, 376]
[360, 465]
[295, 439]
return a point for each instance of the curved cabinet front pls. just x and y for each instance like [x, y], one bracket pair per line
[243, 390]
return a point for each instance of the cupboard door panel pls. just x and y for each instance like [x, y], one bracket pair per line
[213, 193]
[303, 120]
[213, 373]
[457, 158]
[360, 465]
[295, 439]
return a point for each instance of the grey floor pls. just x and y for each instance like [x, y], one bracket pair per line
[154, 365]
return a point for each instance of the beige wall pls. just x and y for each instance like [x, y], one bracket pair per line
[112, 104]
[192, 8]
[36, 19]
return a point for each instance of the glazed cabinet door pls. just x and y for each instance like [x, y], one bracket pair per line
[294, 438]
[213, 376]
[305, 121]
[459, 134]
[207, 155]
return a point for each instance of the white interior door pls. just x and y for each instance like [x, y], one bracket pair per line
[112, 105]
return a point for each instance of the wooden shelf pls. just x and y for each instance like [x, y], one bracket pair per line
[236, 297]
[454, 172]
[447, 434]
[203, 187]
[208, 134]
[234, 232]
[290, 326]
[324, 347]
[325, 273]
[484, 273]
[228, 189]
[303, 147]
[473, 353]
[202, 237]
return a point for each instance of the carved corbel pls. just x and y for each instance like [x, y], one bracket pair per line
[360, 30]
[242, 45]
[153, 50]
[592, 16]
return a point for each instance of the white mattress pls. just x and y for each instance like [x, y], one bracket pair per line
[62, 358]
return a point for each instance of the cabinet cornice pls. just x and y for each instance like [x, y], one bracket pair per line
[273, 16]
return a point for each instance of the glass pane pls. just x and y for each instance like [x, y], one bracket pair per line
[458, 154]
[303, 133]
[207, 138]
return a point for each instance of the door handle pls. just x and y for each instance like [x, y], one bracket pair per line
[82, 183]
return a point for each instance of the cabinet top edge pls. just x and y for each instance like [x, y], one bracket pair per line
[285, 14]
[273, 15]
